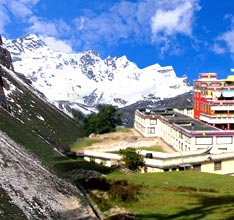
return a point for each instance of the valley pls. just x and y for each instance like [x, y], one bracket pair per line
[40, 181]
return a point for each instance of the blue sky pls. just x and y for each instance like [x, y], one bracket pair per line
[193, 36]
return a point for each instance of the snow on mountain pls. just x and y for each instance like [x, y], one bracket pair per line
[87, 79]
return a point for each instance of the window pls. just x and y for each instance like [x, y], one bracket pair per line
[222, 148]
[224, 140]
[217, 165]
[181, 135]
[151, 130]
[190, 111]
[206, 140]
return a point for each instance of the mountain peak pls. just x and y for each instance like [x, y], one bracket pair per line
[93, 52]
[88, 79]
[31, 36]
[31, 40]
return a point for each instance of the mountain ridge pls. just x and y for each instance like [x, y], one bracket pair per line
[86, 79]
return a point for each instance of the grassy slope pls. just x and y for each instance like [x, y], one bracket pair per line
[40, 127]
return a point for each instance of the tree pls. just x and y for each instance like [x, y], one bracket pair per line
[78, 116]
[104, 121]
[132, 159]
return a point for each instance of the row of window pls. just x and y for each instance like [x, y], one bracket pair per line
[217, 166]
[208, 140]
[197, 167]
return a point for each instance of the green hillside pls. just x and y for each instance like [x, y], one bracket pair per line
[37, 125]
[44, 131]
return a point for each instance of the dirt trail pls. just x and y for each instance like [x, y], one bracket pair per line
[131, 138]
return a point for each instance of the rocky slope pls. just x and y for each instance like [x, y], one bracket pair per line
[32, 134]
[37, 192]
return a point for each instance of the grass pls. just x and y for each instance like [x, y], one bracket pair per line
[182, 195]
[67, 165]
[87, 142]
[23, 135]
[178, 195]
[121, 129]
[37, 125]
[155, 148]
[84, 142]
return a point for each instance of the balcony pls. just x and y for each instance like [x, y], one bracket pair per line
[217, 118]
[221, 105]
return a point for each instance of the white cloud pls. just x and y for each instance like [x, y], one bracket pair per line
[225, 41]
[228, 38]
[169, 22]
[56, 45]
[4, 18]
[123, 21]
[21, 8]
[132, 22]
[42, 26]
[148, 21]
[218, 49]
[81, 25]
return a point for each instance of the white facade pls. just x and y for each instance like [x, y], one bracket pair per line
[199, 160]
[183, 133]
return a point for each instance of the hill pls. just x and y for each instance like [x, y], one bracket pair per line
[36, 116]
[32, 134]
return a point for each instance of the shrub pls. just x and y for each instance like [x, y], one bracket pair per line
[132, 159]
[124, 191]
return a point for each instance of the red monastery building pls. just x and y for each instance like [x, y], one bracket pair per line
[214, 101]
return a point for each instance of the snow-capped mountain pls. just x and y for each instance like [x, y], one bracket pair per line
[87, 79]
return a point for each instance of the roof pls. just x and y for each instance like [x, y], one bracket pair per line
[180, 120]
[185, 121]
